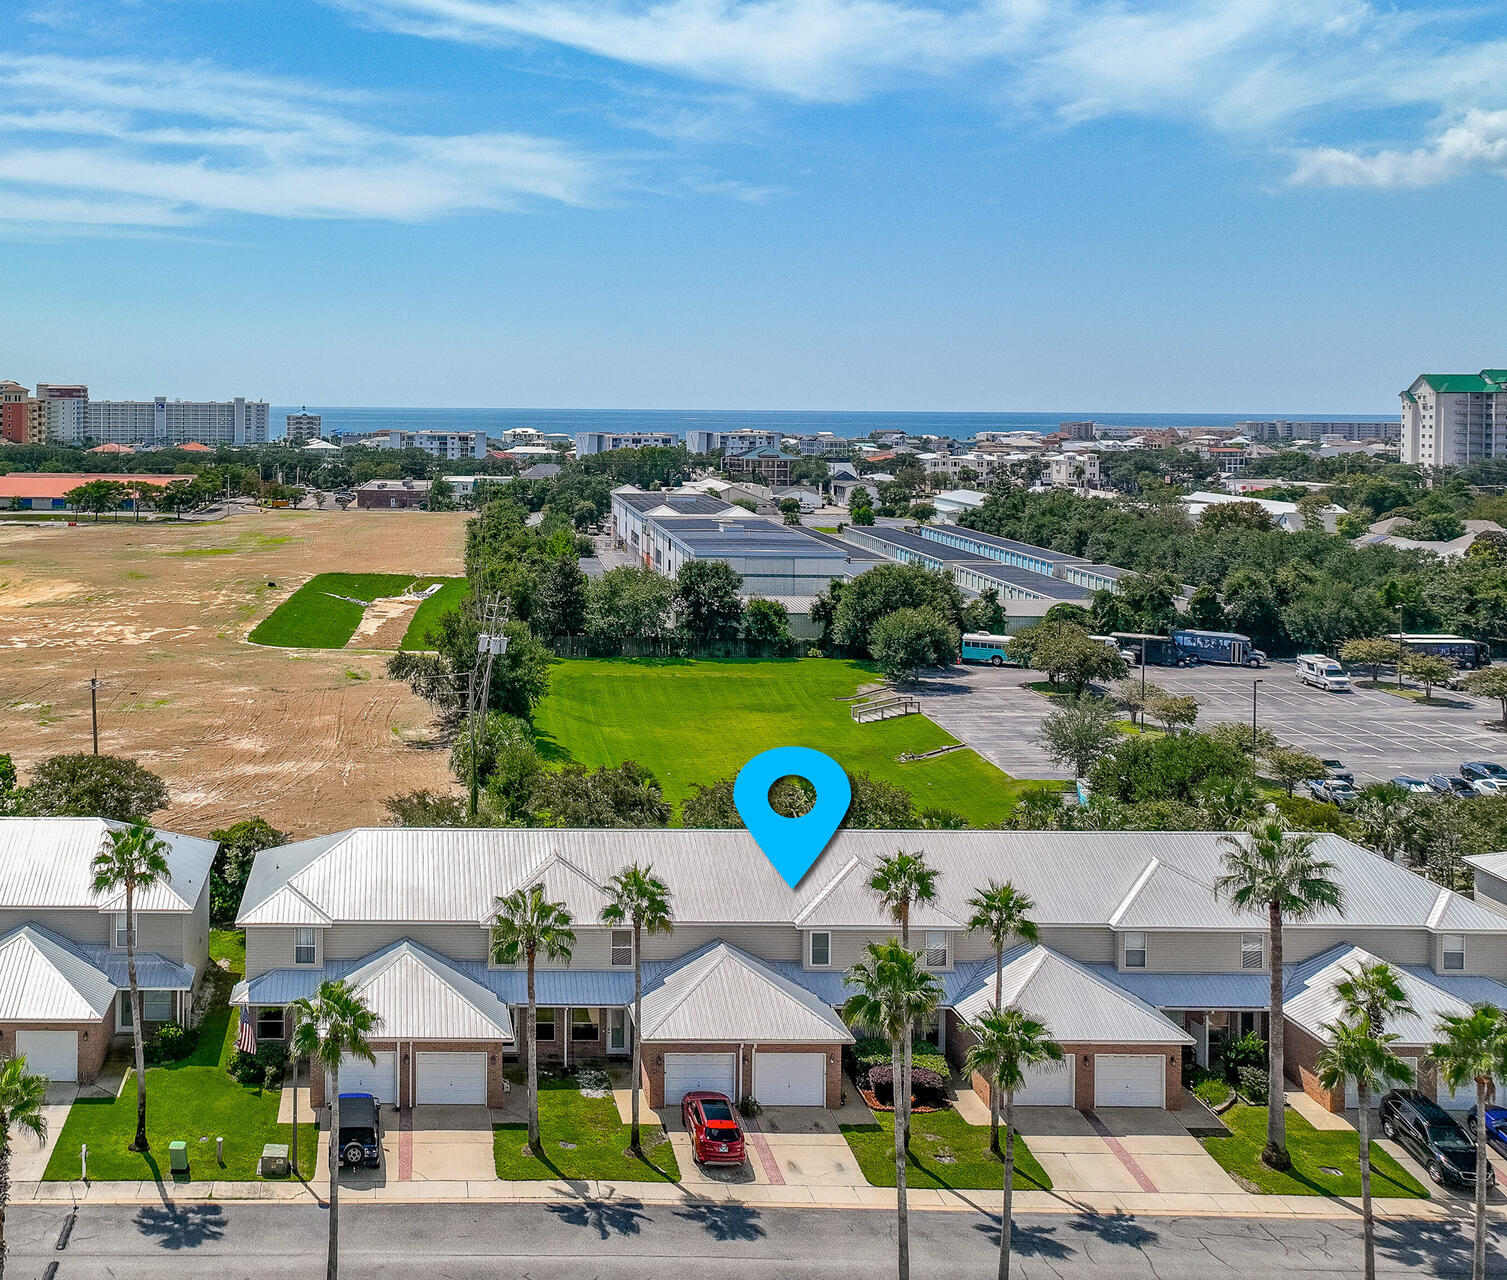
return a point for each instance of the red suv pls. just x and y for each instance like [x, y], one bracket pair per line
[713, 1125]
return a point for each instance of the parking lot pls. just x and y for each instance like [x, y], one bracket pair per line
[1376, 734]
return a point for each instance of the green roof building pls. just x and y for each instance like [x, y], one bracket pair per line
[1450, 419]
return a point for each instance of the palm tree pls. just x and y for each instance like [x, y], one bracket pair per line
[336, 1024]
[641, 899]
[21, 1099]
[526, 925]
[1267, 865]
[1388, 818]
[1373, 991]
[130, 861]
[893, 990]
[1472, 1046]
[1006, 1042]
[1358, 1051]
[1003, 912]
[900, 881]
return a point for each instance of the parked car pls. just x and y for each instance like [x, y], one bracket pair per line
[1496, 1126]
[1336, 769]
[1489, 787]
[1447, 784]
[716, 1136]
[1477, 770]
[1425, 1129]
[360, 1130]
[1332, 790]
[1409, 783]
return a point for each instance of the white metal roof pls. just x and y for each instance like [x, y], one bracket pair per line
[42, 979]
[726, 995]
[1493, 864]
[1077, 1005]
[48, 863]
[1157, 879]
[420, 996]
[1313, 1001]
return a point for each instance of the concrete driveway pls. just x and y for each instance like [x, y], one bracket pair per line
[422, 1144]
[28, 1155]
[787, 1146]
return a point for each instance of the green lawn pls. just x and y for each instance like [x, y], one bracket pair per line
[696, 721]
[945, 1151]
[582, 1138]
[321, 613]
[193, 1100]
[1312, 1151]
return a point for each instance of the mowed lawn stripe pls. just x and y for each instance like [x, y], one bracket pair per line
[693, 721]
[317, 617]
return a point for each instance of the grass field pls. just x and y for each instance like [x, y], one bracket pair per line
[697, 721]
[315, 617]
[945, 1151]
[583, 1138]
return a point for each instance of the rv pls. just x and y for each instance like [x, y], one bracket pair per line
[1323, 672]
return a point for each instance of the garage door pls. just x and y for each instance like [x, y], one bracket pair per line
[452, 1077]
[53, 1054]
[357, 1075]
[687, 1072]
[1130, 1080]
[1047, 1084]
[790, 1079]
[1464, 1098]
[1352, 1094]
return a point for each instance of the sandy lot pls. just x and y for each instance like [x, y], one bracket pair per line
[312, 740]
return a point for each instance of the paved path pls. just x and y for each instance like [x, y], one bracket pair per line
[631, 1240]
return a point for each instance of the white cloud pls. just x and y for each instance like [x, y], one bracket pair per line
[90, 142]
[1478, 143]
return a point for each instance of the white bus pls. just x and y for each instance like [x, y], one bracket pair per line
[986, 648]
[1323, 672]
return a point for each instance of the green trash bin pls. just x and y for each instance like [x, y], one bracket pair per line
[177, 1157]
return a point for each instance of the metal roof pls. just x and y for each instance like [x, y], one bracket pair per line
[723, 994]
[451, 874]
[419, 995]
[1493, 864]
[1312, 1000]
[44, 979]
[1077, 1004]
[153, 972]
[756, 537]
[1234, 990]
[48, 863]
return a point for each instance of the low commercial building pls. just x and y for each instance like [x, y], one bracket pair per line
[954, 502]
[773, 559]
[44, 490]
[633, 509]
[589, 442]
[1285, 515]
[392, 495]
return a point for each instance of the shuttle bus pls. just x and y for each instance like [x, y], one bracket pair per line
[986, 648]
[1465, 654]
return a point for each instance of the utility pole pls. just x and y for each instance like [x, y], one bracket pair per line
[94, 707]
[489, 644]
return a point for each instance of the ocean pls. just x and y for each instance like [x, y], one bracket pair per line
[856, 425]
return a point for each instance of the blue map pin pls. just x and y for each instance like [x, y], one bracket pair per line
[792, 844]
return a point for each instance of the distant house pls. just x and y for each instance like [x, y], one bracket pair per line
[398, 495]
[111, 448]
[950, 505]
[768, 465]
[540, 471]
[193, 446]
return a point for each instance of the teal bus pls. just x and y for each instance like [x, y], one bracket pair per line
[985, 648]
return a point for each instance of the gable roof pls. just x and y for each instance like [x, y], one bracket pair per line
[1077, 1005]
[43, 979]
[420, 996]
[1312, 1000]
[47, 863]
[722, 994]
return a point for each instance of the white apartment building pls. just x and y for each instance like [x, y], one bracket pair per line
[607, 441]
[730, 442]
[1449, 419]
[441, 444]
[303, 427]
[1285, 429]
[820, 444]
[983, 466]
[64, 411]
[1075, 471]
[161, 421]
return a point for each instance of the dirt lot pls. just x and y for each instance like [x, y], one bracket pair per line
[311, 740]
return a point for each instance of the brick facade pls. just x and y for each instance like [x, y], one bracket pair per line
[93, 1042]
[553, 1050]
[1301, 1062]
[408, 1069]
[654, 1065]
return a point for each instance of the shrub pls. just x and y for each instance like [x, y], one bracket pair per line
[1248, 1050]
[871, 1052]
[171, 1043]
[264, 1068]
[1253, 1085]
[927, 1087]
[750, 1107]
[1212, 1090]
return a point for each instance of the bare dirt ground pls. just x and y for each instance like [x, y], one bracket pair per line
[312, 740]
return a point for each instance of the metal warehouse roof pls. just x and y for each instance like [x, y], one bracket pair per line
[44, 979]
[689, 504]
[1028, 579]
[757, 537]
[1077, 1004]
[724, 994]
[1011, 544]
[1313, 1000]
[49, 863]
[451, 874]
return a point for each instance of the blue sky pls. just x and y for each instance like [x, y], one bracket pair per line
[1181, 205]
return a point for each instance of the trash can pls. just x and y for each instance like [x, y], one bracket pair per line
[177, 1157]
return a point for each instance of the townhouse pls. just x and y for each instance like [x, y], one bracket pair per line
[64, 993]
[1139, 964]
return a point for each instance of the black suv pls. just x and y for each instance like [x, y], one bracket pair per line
[1428, 1133]
[360, 1130]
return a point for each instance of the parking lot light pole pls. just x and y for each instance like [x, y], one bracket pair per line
[1254, 683]
[1402, 648]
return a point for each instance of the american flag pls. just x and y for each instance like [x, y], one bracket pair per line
[245, 1039]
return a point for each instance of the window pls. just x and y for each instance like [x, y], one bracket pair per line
[544, 1024]
[583, 1024]
[118, 931]
[1454, 951]
[936, 949]
[156, 1006]
[269, 1023]
[821, 950]
[622, 948]
[304, 946]
[1135, 950]
[1252, 951]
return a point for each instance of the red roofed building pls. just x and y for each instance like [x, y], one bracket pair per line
[43, 491]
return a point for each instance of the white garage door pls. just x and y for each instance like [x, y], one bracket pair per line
[687, 1072]
[53, 1054]
[790, 1079]
[1130, 1080]
[452, 1077]
[1352, 1094]
[380, 1079]
[1464, 1098]
[1047, 1084]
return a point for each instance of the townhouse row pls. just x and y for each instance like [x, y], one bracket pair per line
[1139, 966]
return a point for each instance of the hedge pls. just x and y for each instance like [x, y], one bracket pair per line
[926, 1086]
[872, 1052]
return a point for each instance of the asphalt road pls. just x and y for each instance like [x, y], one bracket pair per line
[1376, 734]
[628, 1241]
